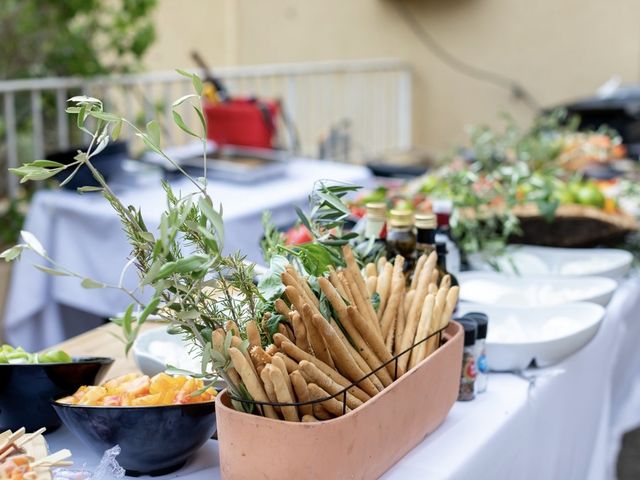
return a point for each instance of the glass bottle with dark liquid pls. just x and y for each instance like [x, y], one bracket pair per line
[425, 233]
[401, 239]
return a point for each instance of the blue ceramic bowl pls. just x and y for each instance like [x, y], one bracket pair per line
[26, 390]
[153, 440]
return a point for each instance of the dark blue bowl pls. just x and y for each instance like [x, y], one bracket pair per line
[153, 440]
[26, 390]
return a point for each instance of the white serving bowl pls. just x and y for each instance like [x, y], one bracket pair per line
[154, 349]
[517, 336]
[525, 260]
[491, 288]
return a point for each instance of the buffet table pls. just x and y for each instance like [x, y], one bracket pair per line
[562, 422]
[84, 234]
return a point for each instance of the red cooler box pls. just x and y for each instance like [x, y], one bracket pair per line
[242, 121]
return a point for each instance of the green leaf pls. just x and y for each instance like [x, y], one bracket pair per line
[270, 285]
[12, 253]
[51, 271]
[153, 129]
[150, 309]
[180, 123]
[203, 123]
[46, 163]
[183, 99]
[89, 283]
[107, 117]
[117, 129]
[215, 218]
[33, 243]
[89, 189]
[197, 83]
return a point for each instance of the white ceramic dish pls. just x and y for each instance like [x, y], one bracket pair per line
[154, 349]
[517, 336]
[527, 260]
[507, 291]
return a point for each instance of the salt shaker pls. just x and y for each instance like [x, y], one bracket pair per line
[468, 372]
[482, 321]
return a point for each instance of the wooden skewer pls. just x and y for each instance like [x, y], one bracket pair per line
[11, 439]
[30, 436]
[53, 459]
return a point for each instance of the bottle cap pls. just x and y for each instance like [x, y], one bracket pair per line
[401, 218]
[481, 319]
[442, 206]
[470, 331]
[376, 210]
[426, 220]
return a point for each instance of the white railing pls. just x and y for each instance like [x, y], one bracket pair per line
[372, 96]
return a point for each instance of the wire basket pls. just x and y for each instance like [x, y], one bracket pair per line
[341, 393]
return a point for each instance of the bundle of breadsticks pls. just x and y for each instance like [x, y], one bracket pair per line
[343, 358]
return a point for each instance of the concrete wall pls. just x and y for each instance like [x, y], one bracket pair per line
[558, 49]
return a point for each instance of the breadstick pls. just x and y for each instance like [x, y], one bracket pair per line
[251, 382]
[290, 413]
[282, 307]
[300, 332]
[265, 321]
[332, 405]
[343, 281]
[370, 270]
[337, 283]
[413, 315]
[313, 374]
[309, 418]
[396, 296]
[408, 300]
[449, 307]
[259, 357]
[384, 287]
[417, 270]
[278, 362]
[299, 355]
[382, 261]
[290, 364]
[433, 288]
[441, 299]
[302, 392]
[445, 282]
[434, 277]
[372, 282]
[358, 343]
[369, 335]
[282, 328]
[344, 361]
[320, 412]
[237, 342]
[352, 266]
[230, 326]
[364, 306]
[253, 334]
[271, 349]
[401, 320]
[304, 284]
[316, 340]
[268, 388]
[426, 317]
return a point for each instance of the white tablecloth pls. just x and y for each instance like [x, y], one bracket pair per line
[566, 425]
[83, 233]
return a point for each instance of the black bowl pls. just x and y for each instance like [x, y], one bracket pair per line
[154, 440]
[26, 390]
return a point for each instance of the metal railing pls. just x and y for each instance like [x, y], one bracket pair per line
[372, 96]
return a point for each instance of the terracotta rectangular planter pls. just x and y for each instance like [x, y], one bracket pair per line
[362, 444]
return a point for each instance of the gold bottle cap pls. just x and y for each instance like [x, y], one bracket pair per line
[401, 218]
[377, 210]
[426, 220]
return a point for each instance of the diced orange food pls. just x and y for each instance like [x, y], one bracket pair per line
[138, 390]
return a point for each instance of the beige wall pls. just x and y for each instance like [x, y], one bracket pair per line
[558, 49]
